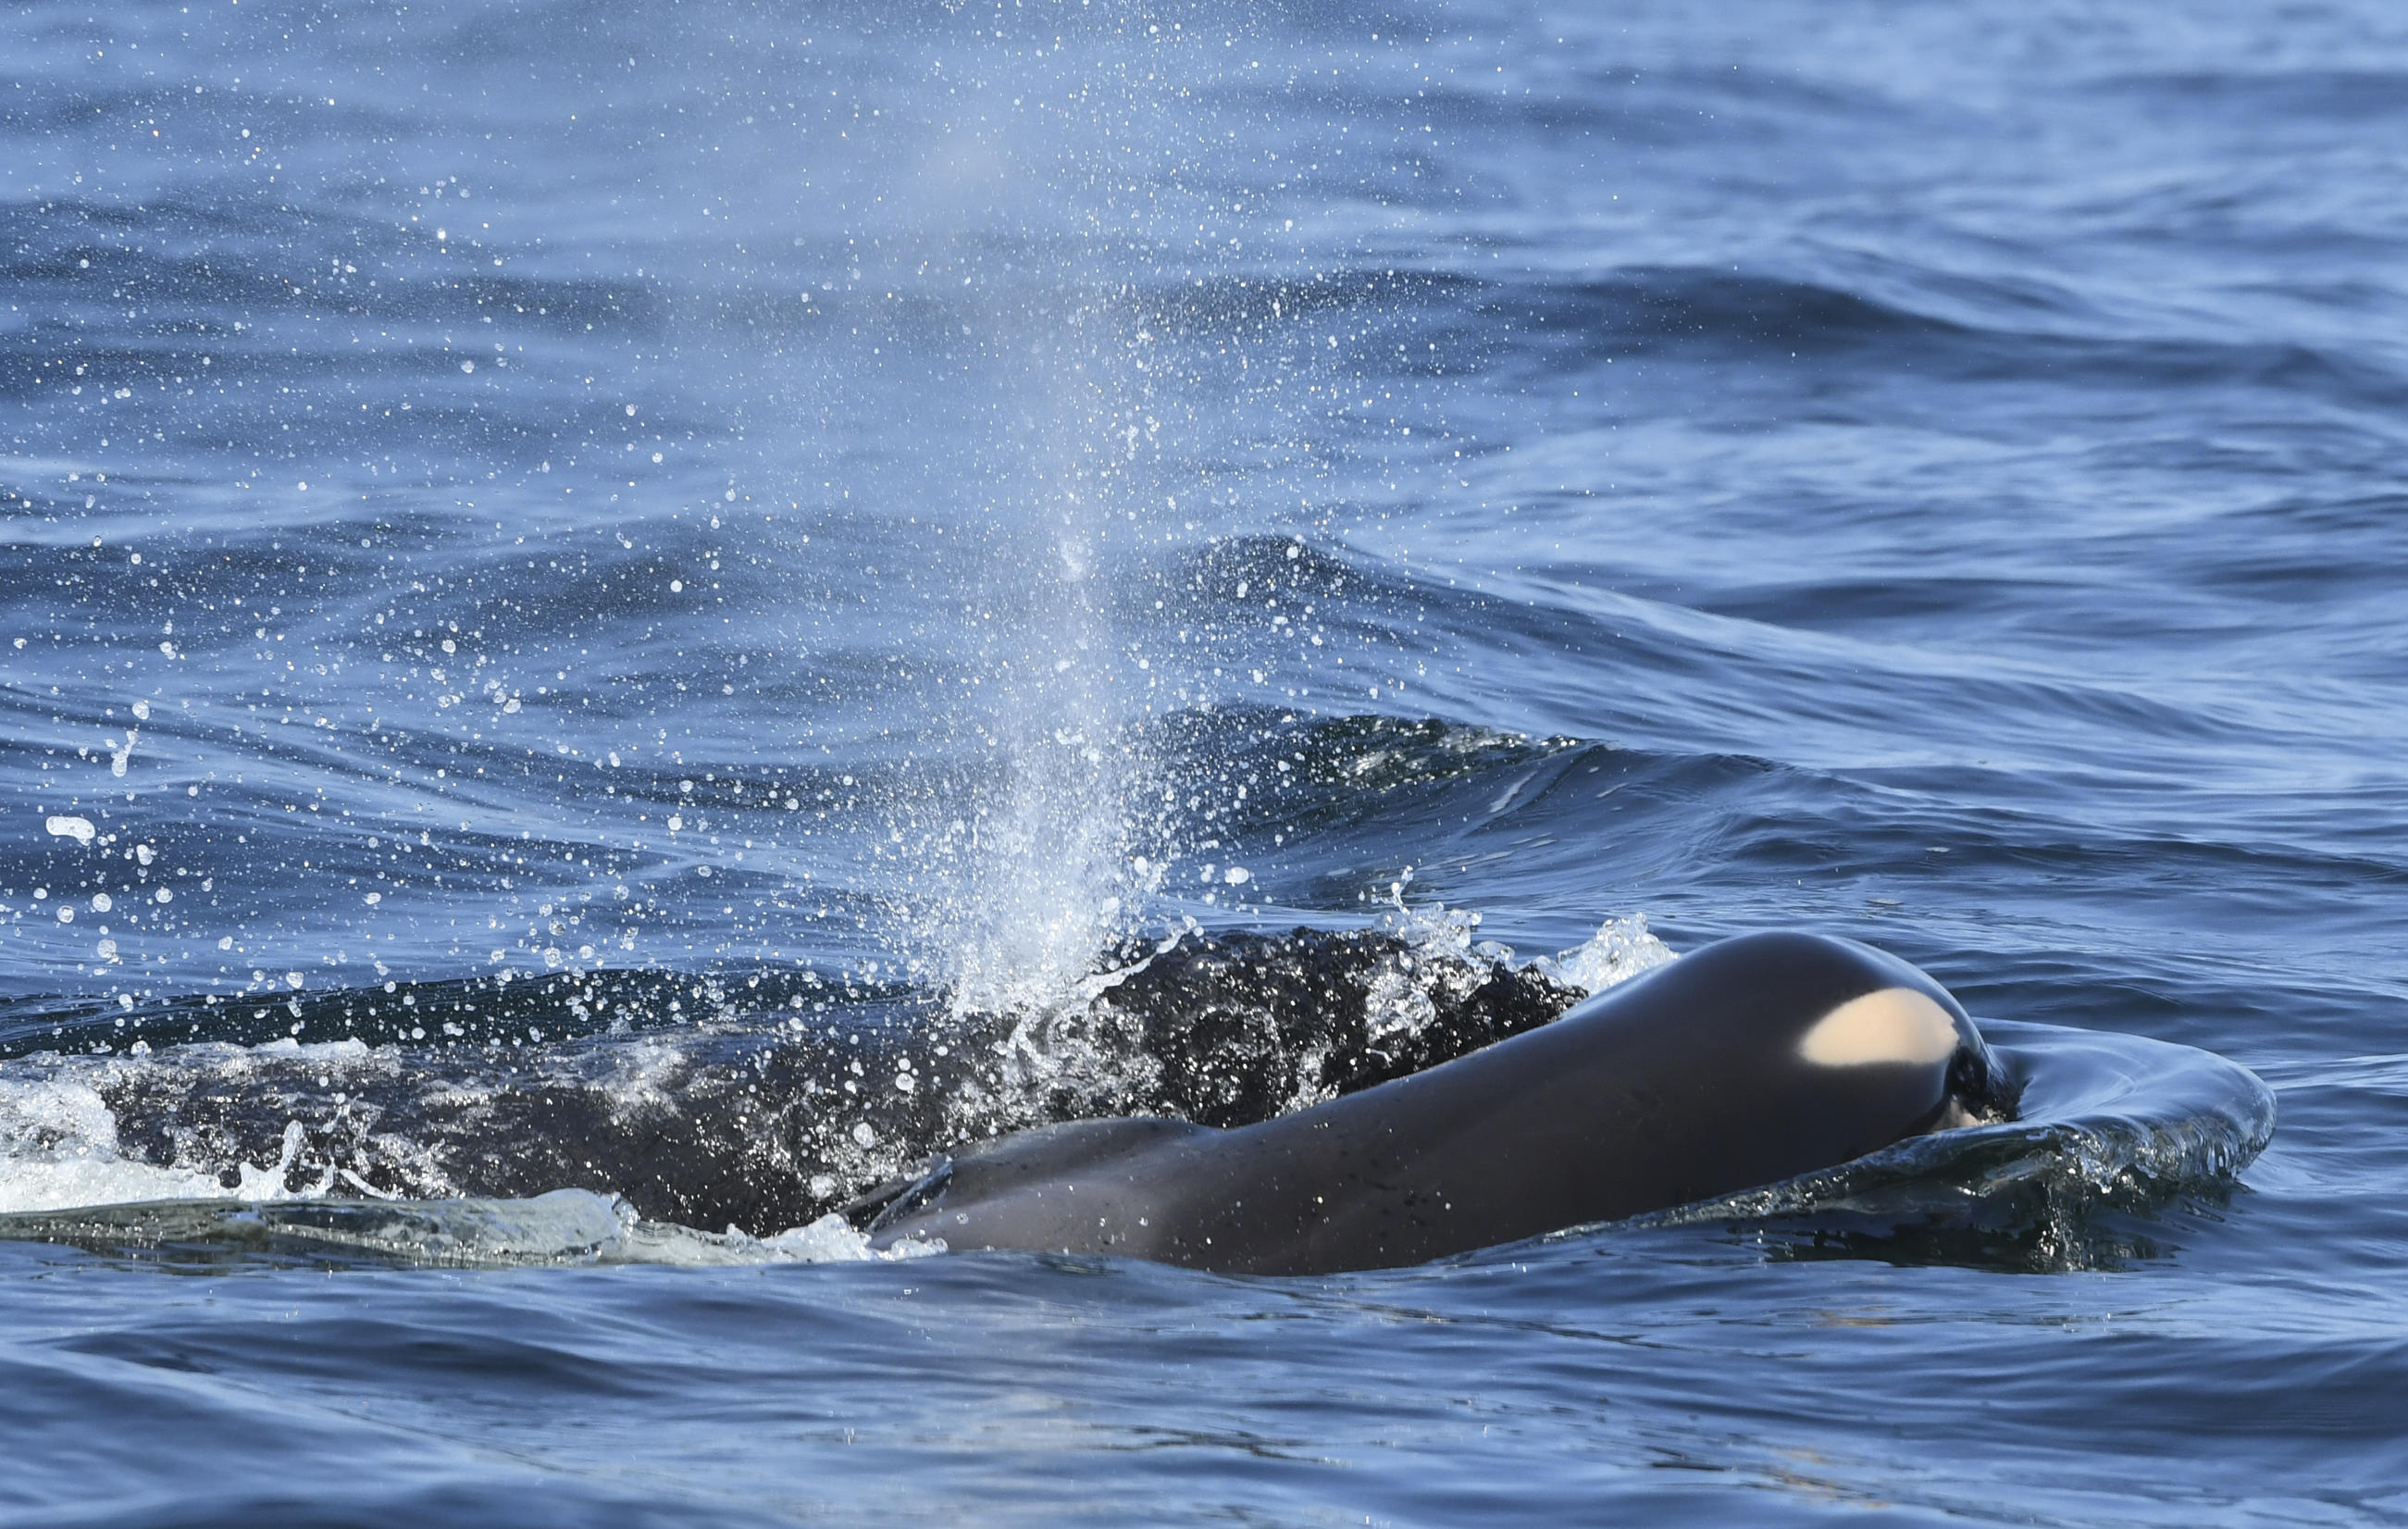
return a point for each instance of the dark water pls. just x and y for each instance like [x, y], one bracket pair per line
[570, 576]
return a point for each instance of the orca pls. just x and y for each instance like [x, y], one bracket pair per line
[1748, 1062]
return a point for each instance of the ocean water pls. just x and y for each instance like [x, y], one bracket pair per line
[615, 622]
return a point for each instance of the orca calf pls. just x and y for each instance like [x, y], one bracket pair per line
[1749, 1062]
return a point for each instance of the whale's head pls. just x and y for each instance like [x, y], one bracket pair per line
[1913, 1022]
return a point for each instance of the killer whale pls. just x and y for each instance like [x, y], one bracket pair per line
[1748, 1062]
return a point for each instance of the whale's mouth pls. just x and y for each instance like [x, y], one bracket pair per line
[1982, 1090]
[1958, 1113]
[549, 1122]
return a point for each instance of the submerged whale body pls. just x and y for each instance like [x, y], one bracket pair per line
[1749, 1062]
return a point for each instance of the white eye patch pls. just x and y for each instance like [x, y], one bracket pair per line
[1894, 1025]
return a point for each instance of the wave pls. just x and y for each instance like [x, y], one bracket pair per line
[560, 1228]
[1998, 330]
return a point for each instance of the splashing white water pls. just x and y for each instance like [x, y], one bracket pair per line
[1073, 431]
[1621, 948]
[1050, 879]
[1044, 882]
[59, 1149]
[1045, 886]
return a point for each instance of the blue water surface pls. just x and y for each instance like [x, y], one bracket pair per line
[894, 500]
